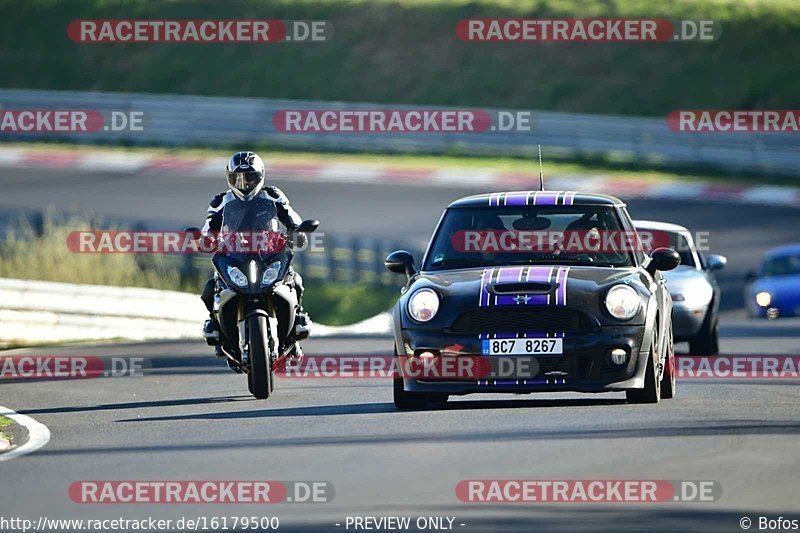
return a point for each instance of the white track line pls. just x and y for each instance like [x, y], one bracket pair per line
[38, 434]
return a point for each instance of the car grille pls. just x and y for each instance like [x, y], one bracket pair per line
[519, 319]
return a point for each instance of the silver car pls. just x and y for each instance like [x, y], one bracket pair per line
[694, 290]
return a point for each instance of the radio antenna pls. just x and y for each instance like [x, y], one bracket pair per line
[541, 169]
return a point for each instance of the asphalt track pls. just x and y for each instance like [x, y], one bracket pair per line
[190, 418]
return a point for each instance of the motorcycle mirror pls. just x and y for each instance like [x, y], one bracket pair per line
[308, 226]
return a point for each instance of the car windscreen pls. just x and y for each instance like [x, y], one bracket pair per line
[252, 215]
[250, 227]
[670, 239]
[522, 235]
[782, 265]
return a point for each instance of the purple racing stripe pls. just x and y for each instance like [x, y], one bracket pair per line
[517, 198]
[520, 198]
[539, 274]
[545, 197]
[561, 291]
[508, 275]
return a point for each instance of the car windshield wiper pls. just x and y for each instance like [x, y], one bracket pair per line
[565, 260]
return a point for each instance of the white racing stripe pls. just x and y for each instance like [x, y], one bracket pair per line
[38, 434]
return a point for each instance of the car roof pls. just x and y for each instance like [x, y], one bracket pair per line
[789, 249]
[659, 226]
[537, 198]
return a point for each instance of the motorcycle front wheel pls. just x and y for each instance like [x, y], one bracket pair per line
[259, 380]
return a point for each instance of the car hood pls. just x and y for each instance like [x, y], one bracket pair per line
[557, 285]
[683, 277]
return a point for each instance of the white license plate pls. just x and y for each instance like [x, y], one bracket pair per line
[523, 347]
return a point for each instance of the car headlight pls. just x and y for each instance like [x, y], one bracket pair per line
[697, 296]
[237, 277]
[622, 302]
[271, 274]
[423, 305]
[763, 298]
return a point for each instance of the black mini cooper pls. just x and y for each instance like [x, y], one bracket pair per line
[500, 281]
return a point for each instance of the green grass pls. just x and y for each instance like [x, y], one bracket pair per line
[337, 304]
[25, 254]
[406, 51]
[4, 423]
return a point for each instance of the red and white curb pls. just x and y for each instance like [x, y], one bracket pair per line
[38, 434]
[371, 173]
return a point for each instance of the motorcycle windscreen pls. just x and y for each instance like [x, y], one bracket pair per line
[253, 215]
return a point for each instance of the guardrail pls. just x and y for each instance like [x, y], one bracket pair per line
[180, 120]
[342, 259]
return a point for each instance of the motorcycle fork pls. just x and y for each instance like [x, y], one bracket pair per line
[244, 310]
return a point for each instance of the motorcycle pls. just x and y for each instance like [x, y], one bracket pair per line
[254, 306]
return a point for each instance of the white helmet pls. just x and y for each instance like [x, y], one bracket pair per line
[245, 174]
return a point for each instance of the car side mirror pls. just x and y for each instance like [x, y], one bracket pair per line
[308, 226]
[663, 259]
[400, 262]
[716, 262]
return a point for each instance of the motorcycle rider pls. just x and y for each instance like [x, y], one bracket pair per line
[246, 180]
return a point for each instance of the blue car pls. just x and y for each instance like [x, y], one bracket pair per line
[774, 290]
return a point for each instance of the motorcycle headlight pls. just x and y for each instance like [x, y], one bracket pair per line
[423, 305]
[237, 277]
[622, 302]
[271, 274]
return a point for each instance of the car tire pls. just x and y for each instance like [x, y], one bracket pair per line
[668, 381]
[706, 342]
[651, 393]
[408, 400]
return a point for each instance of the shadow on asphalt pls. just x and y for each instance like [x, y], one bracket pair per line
[640, 431]
[767, 329]
[377, 408]
[134, 405]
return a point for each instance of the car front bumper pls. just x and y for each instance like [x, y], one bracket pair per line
[584, 366]
[687, 321]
